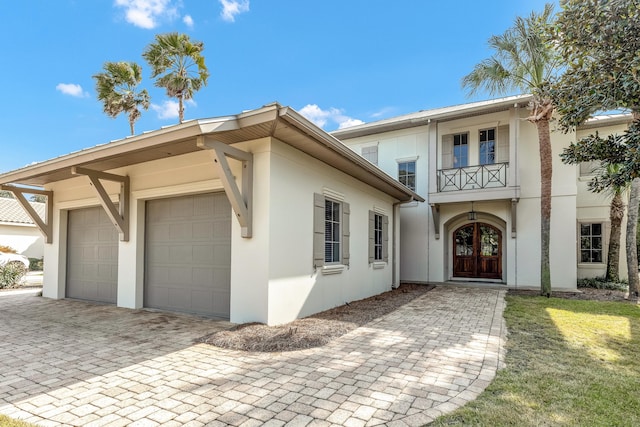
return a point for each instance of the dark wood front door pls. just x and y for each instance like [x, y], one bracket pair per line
[477, 251]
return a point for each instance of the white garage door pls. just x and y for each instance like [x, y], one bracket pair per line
[188, 254]
[92, 256]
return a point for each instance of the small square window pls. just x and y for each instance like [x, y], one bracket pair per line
[407, 174]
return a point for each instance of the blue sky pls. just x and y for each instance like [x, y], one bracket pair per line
[339, 62]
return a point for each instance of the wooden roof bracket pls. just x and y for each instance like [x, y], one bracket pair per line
[435, 212]
[514, 217]
[45, 225]
[119, 216]
[241, 200]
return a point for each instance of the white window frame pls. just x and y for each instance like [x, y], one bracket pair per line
[332, 221]
[404, 177]
[485, 161]
[591, 236]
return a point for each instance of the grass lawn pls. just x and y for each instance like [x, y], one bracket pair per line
[569, 363]
[9, 422]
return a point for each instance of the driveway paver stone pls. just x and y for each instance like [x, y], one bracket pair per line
[77, 363]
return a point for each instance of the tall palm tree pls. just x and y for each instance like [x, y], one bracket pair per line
[116, 87]
[524, 60]
[178, 66]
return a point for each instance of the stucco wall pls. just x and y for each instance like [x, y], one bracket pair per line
[272, 275]
[594, 208]
[26, 239]
[295, 288]
[393, 147]
[521, 262]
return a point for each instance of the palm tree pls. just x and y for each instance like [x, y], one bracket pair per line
[524, 60]
[116, 87]
[616, 215]
[178, 66]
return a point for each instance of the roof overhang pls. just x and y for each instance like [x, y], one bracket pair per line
[425, 117]
[274, 120]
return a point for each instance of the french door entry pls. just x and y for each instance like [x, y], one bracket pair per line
[477, 251]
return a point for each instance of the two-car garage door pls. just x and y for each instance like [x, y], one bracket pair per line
[187, 255]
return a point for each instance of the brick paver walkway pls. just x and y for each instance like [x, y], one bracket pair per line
[74, 363]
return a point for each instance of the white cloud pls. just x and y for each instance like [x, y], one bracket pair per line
[188, 20]
[321, 117]
[169, 109]
[72, 89]
[146, 13]
[231, 8]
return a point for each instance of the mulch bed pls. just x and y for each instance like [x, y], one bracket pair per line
[318, 329]
[591, 294]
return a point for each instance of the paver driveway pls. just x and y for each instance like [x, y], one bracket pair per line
[75, 363]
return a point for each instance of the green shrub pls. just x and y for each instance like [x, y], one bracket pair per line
[36, 264]
[601, 283]
[11, 274]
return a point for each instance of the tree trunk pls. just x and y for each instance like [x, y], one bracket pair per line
[632, 228]
[180, 108]
[546, 159]
[616, 214]
[132, 127]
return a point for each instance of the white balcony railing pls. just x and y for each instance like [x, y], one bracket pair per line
[473, 177]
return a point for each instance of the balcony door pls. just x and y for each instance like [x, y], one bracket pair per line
[477, 251]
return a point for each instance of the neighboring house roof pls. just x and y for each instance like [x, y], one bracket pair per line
[423, 117]
[607, 120]
[273, 120]
[12, 212]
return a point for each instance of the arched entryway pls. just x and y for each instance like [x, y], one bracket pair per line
[477, 251]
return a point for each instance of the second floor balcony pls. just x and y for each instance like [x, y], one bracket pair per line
[473, 177]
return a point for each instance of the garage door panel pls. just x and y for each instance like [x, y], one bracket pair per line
[181, 254]
[188, 267]
[203, 254]
[92, 256]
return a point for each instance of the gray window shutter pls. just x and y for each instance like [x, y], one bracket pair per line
[385, 238]
[502, 145]
[318, 230]
[447, 151]
[589, 168]
[345, 233]
[372, 218]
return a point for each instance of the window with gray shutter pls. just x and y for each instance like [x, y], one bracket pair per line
[447, 151]
[589, 168]
[331, 232]
[502, 150]
[346, 233]
[378, 237]
[318, 230]
[371, 154]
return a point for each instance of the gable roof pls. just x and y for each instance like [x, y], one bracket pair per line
[12, 212]
[273, 120]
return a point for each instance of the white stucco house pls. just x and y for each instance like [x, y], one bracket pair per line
[256, 217]
[478, 164]
[17, 229]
